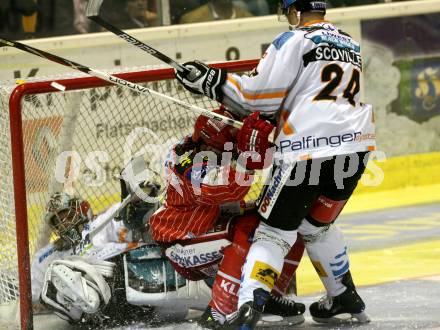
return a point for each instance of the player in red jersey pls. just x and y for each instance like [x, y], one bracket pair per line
[207, 227]
[198, 186]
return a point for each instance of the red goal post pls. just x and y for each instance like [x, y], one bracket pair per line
[45, 121]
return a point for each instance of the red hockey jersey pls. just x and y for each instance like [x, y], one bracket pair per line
[196, 189]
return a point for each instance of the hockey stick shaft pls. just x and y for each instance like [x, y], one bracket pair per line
[99, 227]
[130, 172]
[92, 12]
[118, 81]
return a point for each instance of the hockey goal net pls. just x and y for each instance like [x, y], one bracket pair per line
[89, 127]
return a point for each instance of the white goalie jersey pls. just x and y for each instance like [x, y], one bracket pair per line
[309, 80]
[111, 241]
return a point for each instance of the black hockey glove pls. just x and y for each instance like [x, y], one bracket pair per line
[137, 213]
[203, 80]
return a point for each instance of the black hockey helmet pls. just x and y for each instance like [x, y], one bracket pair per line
[318, 6]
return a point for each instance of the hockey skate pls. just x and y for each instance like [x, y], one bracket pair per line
[280, 311]
[249, 314]
[333, 309]
[211, 319]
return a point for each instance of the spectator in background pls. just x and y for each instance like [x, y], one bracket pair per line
[350, 3]
[18, 18]
[55, 18]
[214, 10]
[25, 19]
[255, 7]
[2, 18]
[80, 21]
[180, 7]
[137, 15]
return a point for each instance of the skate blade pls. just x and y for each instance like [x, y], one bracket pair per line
[269, 321]
[344, 319]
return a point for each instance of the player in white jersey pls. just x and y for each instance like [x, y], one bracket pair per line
[308, 81]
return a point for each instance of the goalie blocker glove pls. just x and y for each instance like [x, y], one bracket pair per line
[253, 137]
[203, 79]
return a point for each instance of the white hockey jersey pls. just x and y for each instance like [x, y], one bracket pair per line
[111, 241]
[309, 80]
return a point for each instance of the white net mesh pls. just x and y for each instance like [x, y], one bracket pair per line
[8, 259]
[88, 135]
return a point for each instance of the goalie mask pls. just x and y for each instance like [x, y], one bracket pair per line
[214, 133]
[66, 215]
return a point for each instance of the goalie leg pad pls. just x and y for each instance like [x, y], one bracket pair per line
[105, 268]
[74, 287]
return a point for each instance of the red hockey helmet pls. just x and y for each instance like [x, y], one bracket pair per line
[214, 133]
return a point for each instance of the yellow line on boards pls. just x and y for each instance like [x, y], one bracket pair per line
[379, 266]
[367, 202]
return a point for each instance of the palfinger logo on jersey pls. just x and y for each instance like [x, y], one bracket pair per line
[334, 141]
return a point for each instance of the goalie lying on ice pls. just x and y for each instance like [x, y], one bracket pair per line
[85, 279]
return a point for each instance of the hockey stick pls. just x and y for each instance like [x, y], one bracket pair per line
[92, 12]
[99, 227]
[118, 81]
[133, 175]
